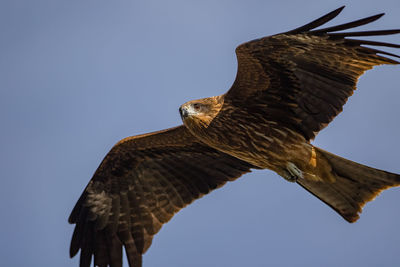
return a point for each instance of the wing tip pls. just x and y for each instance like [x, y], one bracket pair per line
[341, 8]
[335, 32]
[317, 22]
[336, 12]
[309, 27]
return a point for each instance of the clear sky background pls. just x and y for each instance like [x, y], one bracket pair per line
[77, 76]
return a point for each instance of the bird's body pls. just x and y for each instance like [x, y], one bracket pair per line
[251, 137]
[288, 87]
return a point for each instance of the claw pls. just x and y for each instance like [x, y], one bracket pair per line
[293, 173]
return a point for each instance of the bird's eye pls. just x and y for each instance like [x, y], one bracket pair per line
[196, 107]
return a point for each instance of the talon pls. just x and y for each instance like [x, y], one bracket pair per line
[288, 176]
[293, 173]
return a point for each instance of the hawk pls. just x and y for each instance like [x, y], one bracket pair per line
[288, 87]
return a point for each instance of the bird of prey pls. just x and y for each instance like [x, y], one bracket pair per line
[288, 87]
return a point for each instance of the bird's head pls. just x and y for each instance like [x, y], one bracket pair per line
[200, 113]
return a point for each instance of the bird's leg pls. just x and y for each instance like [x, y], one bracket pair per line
[292, 173]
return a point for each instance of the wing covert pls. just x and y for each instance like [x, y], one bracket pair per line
[302, 78]
[141, 183]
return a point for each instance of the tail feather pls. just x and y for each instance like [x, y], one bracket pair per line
[355, 185]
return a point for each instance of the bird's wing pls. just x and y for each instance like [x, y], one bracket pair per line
[141, 183]
[302, 78]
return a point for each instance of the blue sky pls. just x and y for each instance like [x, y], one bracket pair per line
[77, 76]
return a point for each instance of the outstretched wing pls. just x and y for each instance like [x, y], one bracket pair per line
[302, 78]
[141, 183]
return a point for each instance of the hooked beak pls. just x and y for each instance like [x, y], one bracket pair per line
[184, 113]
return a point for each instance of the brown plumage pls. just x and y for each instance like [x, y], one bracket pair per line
[288, 87]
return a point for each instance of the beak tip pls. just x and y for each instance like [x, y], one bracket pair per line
[183, 112]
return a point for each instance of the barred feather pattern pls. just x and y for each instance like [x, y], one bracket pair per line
[142, 182]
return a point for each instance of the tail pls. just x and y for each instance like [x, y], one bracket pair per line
[355, 185]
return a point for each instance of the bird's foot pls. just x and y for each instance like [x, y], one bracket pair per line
[292, 172]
